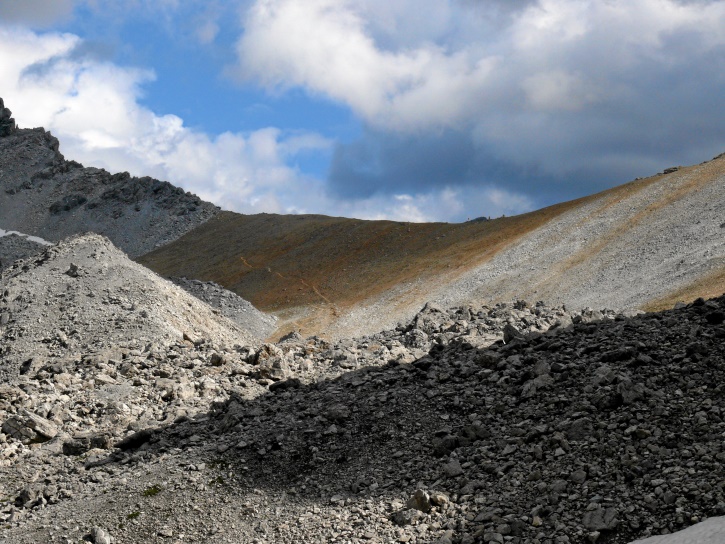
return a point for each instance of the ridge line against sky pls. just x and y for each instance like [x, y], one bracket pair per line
[415, 110]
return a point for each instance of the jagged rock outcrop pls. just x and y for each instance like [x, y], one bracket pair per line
[45, 195]
[7, 123]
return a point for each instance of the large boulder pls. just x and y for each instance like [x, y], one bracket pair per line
[29, 428]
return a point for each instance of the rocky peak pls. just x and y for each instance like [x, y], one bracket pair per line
[7, 123]
[45, 195]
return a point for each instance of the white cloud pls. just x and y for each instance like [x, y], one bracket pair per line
[324, 46]
[396, 75]
[556, 86]
[93, 108]
[548, 87]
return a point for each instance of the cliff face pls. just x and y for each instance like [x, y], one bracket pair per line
[43, 194]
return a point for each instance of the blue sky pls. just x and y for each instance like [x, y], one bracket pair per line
[411, 110]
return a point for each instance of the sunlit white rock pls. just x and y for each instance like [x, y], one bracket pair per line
[710, 531]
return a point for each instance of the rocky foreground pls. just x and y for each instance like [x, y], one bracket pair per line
[514, 423]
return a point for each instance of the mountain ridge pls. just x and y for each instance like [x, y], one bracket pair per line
[45, 195]
[340, 276]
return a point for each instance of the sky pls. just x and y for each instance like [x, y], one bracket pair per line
[411, 110]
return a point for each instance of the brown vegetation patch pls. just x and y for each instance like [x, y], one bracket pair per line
[708, 286]
[302, 264]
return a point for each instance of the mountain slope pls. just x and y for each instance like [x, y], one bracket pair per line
[129, 407]
[622, 249]
[313, 269]
[633, 246]
[645, 244]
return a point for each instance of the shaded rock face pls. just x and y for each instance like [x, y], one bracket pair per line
[45, 195]
[7, 123]
[14, 247]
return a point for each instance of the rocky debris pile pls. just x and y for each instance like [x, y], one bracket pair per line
[14, 247]
[7, 123]
[43, 194]
[85, 295]
[312, 359]
[73, 410]
[514, 423]
[599, 432]
[90, 401]
[231, 306]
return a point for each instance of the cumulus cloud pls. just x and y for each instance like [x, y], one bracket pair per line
[562, 96]
[323, 45]
[468, 108]
[93, 107]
